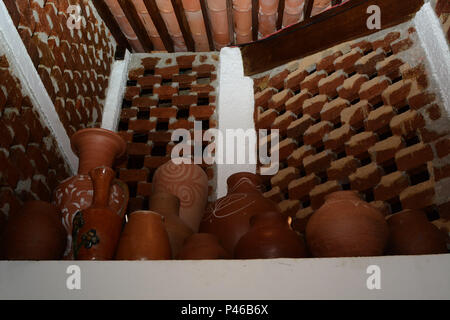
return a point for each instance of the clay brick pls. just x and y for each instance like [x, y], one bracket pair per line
[372, 89]
[360, 143]
[406, 123]
[165, 92]
[181, 124]
[356, 114]
[336, 139]
[36, 158]
[365, 177]
[300, 188]
[135, 74]
[144, 102]
[401, 45]
[396, 94]
[202, 90]
[261, 83]
[278, 100]
[311, 82]
[318, 162]
[163, 113]
[382, 207]
[283, 177]
[329, 85]
[132, 92]
[148, 82]
[314, 134]
[185, 61]
[348, 60]
[295, 103]
[184, 80]
[441, 172]
[167, 72]
[294, 79]
[418, 196]
[442, 147]
[150, 63]
[385, 43]
[331, 111]
[289, 207]
[201, 112]
[350, 88]
[390, 67]
[313, 106]
[428, 134]
[367, 64]
[274, 194]
[379, 118]
[286, 148]
[386, 149]
[6, 135]
[154, 162]
[282, 122]
[364, 45]
[417, 73]
[204, 70]
[298, 127]
[19, 158]
[390, 186]
[318, 193]
[184, 100]
[128, 113]
[141, 125]
[301, 219]
[342, 168]
[413, 156]
[327, 62]
[126, 135]
[434, 112]
[296, 158]
[263, 97]
[266, 118]
[277, 81]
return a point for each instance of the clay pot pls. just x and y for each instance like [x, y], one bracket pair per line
[34, 233]
[270, 237]
[95, 147]
[167, 205]
[203, 246]
[346, 226]
[229, 217]
[144, 238]
[411, 233]
[96, 230]
[189, 183]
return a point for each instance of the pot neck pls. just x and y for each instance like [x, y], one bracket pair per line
[244, 182]
[101, 180]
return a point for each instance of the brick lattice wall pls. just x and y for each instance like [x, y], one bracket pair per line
[164, 92]
[361, 116]
[30, 163]
[74, 65]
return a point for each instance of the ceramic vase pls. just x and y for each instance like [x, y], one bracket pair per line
[94, 147]
[229, 217]
[270, 237]
[144, 238]
[96, 230]
[346, 226]
[34, 233]
[203, 246]
[410, 233]
[168, 205]
[189, 183]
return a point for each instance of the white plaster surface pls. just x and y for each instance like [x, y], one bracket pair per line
[115, 93]
[32, 84]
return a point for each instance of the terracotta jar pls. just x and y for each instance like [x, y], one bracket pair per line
[95, 147]
[34, 233]
[229, 217]
[96, 230]
[346, 226]
[190, 184]
[411, 233]
[167, 205]
[203, 246]
[144, 238]
[270, 237]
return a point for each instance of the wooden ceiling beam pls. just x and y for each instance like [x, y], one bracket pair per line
[230, 21]
[136, 23]
[280, 14]
[255, 21]
[208, 26]
[159, 23]
[307, 9]
[184, 24]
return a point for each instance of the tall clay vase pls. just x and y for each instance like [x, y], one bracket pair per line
[167, 205]
[189, 183]
[229, 217]
[410, 233]
[96, 230]
[144, 238]
[94, 147]
[270, 237]
[203, 246]
[346, 226]
[34, 233]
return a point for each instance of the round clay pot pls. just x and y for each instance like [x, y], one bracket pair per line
[346, 226]
[144, 238]
[95, 147]
[96, 230]
[34, 233]
[203, 246]
[270, 237]
[410, 233]
[167, 205]
[229, 217]
[189, 183]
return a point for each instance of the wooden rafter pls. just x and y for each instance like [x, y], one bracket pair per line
[208, 26]
[307, 9]
[255, 21]
[280, 14]
[230, 21]
[184, 25]
[159, 24]
[136, 23]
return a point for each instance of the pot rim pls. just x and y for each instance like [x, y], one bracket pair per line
[100, 131]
